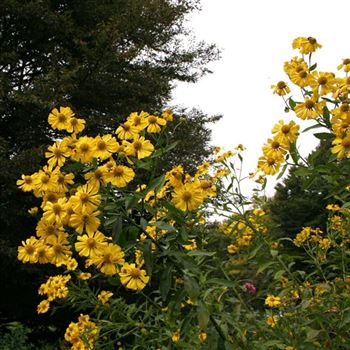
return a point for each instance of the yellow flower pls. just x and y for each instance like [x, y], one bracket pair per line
[138, 120]
[273, 301]
[127, 131]
[57, 154]
[107, 259]
[133, 277]
[90, 245]
[75, 125]
[345, 65]
[71, 264]
[85, 149]
[120, 175]
[33, 210]
[61, 249]
[60, 119]
[105, 146]
[341, 147]
[175, 337]
[55, 212]
[202, 336]
[87, 221]
[84, 275]
[140, 147]
[26, 183]
[274, 148]
[43, 307]
[272, 321]
[104, 296]
[191, 246]
[154, 124]
[306, 45]
[281, 88]
[86, 198]
[27, 252]
[270, 165]
[309, 109]
[286, 133]
[232, 248]
[187, 197]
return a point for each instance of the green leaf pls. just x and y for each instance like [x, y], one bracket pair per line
[294, 152]
[165, 226]
[156, 184]
[313, 67]
[315, 126]
[292, 103]
[301, 171]
[165, 281]
[312, 334]
[161, 151]
[285, 166]
[200, 253]
[202, 315]
[264, 266]
[324, 135]
[222, 282]
[191, 287]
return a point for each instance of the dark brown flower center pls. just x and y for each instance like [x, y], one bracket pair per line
[281, 85]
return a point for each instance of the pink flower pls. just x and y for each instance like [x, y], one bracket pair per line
[250, 288]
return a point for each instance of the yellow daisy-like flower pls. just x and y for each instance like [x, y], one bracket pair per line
[176, 337]
[85, 149]
[91, 244]
[286, 133]
[275, 149]
[27, 252]
[232, 248]
[59, 119]
[155, 124]
[345, 65]
[272, 321]
[202, 336]
[306, 45]
[26, 183]
[127, 131]
[43, 307]
[75, 125]
[106, 145]
[104, 296]
[281, 88]
[86, 198]
[341, 147]
[323, 84]
[132, 277]
[85, 221]
[187, 197]
[120, 175]
[309, 109]
[138, 120]
[84, 276]
[108, 258]
[273, 301]
[57, 154]
[140, 147]
[270, 165]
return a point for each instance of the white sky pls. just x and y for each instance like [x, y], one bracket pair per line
[255, 37]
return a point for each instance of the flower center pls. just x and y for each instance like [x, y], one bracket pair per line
[186, 196]
[61, 118]
[126, 127]
[84, 147]
[344, 108]
[117, 171]
[309, 104]
[303, 74]
[137, 145]
[275, 145]
[135, 272]
[281, 85]
[91, 243]
[152, 119]
[101, 145]
[346, 61]
[312, 40]
[30, 249]
[45, 179]
[84, 197]
[56, 208]
[322, 80]
[346, 142]
[285, 129]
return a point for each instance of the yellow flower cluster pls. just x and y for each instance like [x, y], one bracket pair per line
[242, 231]
[308, 233]
[316, 88]
[81, 334]
[54, 288]
[273, 301]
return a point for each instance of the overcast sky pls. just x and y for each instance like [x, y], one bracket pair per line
[255, 37]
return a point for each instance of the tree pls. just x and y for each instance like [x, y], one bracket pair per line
[104, 58]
